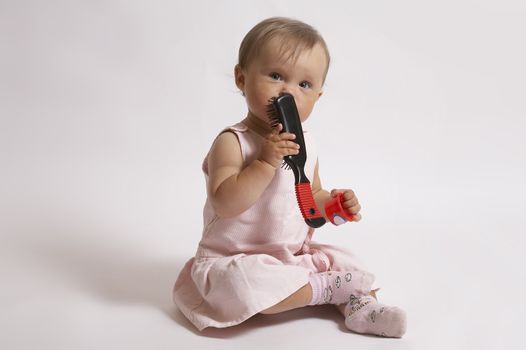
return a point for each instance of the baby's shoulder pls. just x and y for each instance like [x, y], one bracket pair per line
[231, 135]
[239, 127]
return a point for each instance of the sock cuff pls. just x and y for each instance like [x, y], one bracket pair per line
[317, 282]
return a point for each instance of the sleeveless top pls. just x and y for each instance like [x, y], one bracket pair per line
[273, 224]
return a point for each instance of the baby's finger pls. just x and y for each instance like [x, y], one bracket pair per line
[349, 195]
[287, 136]
[290, 151]
[288, 144]
[335, 191]
[274, 138]
[275, 131]
[355, 209]
[357, 217]
[287, 151]
[350, 202]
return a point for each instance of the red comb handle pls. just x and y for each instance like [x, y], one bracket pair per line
[308, 207]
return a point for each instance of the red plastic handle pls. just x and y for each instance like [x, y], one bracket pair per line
[308, 207]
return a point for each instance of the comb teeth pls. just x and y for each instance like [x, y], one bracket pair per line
[285, 166]
[272, 113]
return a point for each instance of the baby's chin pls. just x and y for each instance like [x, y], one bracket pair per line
[261, 117]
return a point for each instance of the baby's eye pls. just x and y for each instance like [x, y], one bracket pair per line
[305, 85]
[275, 76]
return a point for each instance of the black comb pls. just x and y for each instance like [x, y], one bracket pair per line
[283, 110]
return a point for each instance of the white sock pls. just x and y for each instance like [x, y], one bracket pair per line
[336, 287]
[365, 315]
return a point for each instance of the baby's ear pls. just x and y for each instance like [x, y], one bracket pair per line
[239, 77]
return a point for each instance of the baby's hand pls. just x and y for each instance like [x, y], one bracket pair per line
[350, 203]
[277, 146]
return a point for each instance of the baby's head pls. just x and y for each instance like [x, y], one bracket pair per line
[294, 37]
[282, 55]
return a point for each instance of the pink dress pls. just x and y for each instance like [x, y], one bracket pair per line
[248, 263]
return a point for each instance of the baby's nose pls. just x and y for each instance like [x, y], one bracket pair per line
[286, 89]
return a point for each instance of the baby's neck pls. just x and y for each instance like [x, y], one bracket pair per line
[257, 125]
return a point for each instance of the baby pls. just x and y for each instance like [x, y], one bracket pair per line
[256, 254]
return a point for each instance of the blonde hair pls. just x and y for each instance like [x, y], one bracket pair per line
[295, 37]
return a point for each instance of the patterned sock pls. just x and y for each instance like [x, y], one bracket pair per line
[365, 315]
[336, 287]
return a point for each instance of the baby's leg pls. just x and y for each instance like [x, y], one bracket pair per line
[334, 287]
[300, 298]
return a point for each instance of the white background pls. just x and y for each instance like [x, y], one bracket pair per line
[108, 107]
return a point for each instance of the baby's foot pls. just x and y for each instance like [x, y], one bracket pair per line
[366, 315]
[336, 287]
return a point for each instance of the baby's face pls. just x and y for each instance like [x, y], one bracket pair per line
[269, 76]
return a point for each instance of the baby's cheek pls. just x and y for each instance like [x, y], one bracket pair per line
[304, 113]
[257, 104]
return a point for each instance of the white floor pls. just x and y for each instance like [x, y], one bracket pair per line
[74, 279]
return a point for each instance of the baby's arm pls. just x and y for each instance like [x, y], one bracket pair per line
[233, 189]
[320, 195]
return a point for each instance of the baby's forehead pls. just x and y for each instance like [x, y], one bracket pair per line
[284, 51]
[284, 48]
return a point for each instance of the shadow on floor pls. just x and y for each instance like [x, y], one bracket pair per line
[326, 312]
[121, 273]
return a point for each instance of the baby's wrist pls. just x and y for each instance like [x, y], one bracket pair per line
[266, 164]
